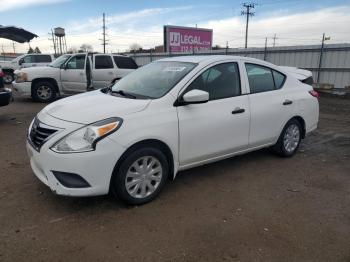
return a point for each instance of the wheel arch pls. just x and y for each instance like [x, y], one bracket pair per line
[155, 143]
[302, 123]
[44, 79]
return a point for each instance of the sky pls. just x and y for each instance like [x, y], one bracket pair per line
[295, 22]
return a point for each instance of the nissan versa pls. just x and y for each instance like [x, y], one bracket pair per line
[167, 116]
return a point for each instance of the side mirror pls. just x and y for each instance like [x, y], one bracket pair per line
[21, 61]
[195, 96]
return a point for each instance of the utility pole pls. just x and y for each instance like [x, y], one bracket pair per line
[247, 13]
[104, 34]
[265, 50]
[14, 48]
[324, 38]
[274, 40]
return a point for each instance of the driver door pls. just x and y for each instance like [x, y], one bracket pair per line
[220, 126]
[73, 74]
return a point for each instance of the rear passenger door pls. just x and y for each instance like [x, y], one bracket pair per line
[271, 104]
[125, 65]
[103, 71]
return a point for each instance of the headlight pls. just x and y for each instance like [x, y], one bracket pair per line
[21, 77]
[85, 138]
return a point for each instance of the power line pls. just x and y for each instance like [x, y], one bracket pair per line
[247, 13]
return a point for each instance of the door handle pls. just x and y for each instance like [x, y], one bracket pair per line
[238, 111]
[81, 74]
[110, 73]
[287, 102]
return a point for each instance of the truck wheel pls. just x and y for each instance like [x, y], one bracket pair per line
[44, 92]
[8, 77]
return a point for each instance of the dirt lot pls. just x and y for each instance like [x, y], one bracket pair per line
[256, 207]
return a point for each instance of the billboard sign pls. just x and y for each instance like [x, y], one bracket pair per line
[187, 39]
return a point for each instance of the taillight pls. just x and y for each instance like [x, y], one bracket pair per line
[314, 93]
[1, 74]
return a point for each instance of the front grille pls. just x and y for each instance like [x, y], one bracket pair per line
[39, 134]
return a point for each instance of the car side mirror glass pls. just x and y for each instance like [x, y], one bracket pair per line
[21, 61]
[195, 96]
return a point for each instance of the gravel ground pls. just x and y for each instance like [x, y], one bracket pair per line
[256, 207]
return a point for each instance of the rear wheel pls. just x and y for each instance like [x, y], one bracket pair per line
[141, 176]
[44, 91]
[289, 140]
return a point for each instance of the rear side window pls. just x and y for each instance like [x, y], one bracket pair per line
[125, 62]
[279, 79]
[220, 81]
[103, 62]
[43, 59]
[263, 79]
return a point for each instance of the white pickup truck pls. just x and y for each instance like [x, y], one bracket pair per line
[71, 74]
[22, 61]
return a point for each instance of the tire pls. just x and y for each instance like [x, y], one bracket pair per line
[8, 77]
[135, 186]
[289, 140]
[44, 91]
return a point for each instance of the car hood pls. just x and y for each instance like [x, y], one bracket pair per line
[93, 106]
[39, 70]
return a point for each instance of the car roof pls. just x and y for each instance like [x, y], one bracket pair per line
[213, 58]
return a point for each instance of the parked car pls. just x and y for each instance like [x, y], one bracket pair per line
[23, 61]
[72, 74]
[5, 93]
[170, 115]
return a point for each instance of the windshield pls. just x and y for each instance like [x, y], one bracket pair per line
[60, 61]
[153, 80]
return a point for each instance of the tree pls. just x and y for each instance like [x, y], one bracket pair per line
[135, 47]
[37, 50]
[86, 48]
[72, 50]
[30, 50]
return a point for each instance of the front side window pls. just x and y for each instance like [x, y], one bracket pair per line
[28, 59]
[125, 62]
[103, 62]
[220, 81]
[263, 79]
[155, 79]
[59, 61]
[76, 62]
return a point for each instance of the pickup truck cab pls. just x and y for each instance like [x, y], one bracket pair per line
[71, 74]
[27, 60]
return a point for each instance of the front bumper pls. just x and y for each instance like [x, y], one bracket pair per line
[5, 96]
[22, 88]
[95, 167]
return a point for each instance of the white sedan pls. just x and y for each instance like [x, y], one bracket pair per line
[168, 116]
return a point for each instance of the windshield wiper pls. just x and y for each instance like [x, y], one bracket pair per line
[123, 93]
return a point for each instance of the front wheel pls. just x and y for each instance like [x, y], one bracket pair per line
[141, 176]
[289, 140]
[44, 92]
